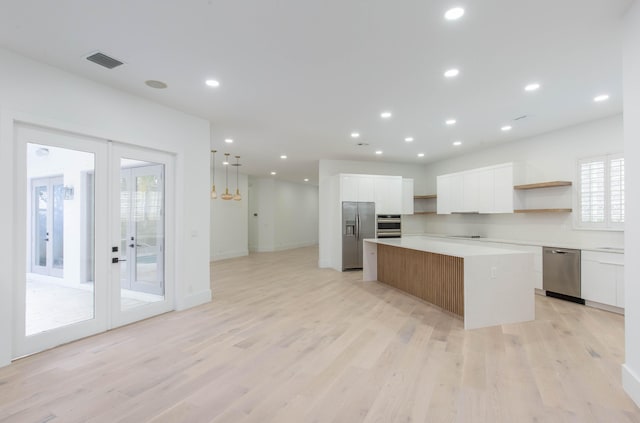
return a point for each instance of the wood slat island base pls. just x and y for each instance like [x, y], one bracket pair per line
[435, 278]
[485, 286]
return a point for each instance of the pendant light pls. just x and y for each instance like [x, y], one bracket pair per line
[214, 194]
[226, 195]
[237, 197]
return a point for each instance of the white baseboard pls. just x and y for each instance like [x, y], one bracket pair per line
[193, 300]
[631, 383]
[284, 247]
[229, 254]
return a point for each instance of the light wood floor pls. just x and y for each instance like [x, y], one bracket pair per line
[284, 341]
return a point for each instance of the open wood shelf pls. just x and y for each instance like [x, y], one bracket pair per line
[425, 212]
[539, 185]
[543, 211]
[424, 197]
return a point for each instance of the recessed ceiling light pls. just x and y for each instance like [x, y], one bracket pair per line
[506, 128]
[532, 87]
[454, 14]
[420, 154]
[409, 139]
[603, 97]
[355, 135]
[228, 140]
[273, 173]
[306, 179]
[212, 83]
[450, 122]
[378, 152]
[156, 84]
[385, 115]
[451, 73]
[283, 156]
[457, 143]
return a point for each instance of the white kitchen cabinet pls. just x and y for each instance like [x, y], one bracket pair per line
[602, 276]
[470, 192]
[357, 188]
[366, 188]
[407, 196]
[456, 186]
[503, 189]
[388, 194]
[443, 191]
[483, 190]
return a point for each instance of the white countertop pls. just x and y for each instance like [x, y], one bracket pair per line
[442, 246]
[518, 242]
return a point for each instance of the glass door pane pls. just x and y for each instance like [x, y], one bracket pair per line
[40, 235]
[57, 222]
[59, 291]
[141, 233]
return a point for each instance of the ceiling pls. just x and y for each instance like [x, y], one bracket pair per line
[299, 76]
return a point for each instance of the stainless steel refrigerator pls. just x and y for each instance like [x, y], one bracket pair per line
[358, 223]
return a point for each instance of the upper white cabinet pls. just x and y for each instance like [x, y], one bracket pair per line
[388, 194]
[470, 194]
[603, 277]
[407, 196]
[443, 189]
[357, 188]
[484, 190]
[386, 191]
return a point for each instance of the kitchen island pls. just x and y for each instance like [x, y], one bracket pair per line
[486, 286]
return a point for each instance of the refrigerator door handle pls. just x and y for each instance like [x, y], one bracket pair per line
[357, 227]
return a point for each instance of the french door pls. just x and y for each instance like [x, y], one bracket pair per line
[95, 238]
[47, 214]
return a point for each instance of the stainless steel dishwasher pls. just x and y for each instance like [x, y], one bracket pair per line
[561, 273]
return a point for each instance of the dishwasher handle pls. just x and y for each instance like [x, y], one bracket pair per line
[556, 251]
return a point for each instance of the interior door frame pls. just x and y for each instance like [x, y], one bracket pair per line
[28, 133]
[118, 317]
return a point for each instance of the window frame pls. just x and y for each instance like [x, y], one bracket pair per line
[607, 225]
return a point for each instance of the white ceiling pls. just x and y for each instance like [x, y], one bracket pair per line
[298, 76]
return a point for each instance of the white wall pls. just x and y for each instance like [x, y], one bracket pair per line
[548, 157]
[327, 219]
[631, 368]
[287, 215]
[296, 215]
[229, 232]
[44, 95]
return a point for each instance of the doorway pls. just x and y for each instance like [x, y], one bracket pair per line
[96, 243]
[47, 233]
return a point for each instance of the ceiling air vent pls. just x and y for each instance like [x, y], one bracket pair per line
[104, 60]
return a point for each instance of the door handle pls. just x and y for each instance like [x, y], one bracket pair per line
[132, 245]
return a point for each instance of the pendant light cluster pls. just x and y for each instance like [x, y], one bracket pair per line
[227, 195]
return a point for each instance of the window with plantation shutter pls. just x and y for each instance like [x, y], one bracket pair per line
[601, 192]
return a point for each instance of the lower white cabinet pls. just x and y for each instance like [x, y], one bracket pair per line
[602, 276]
